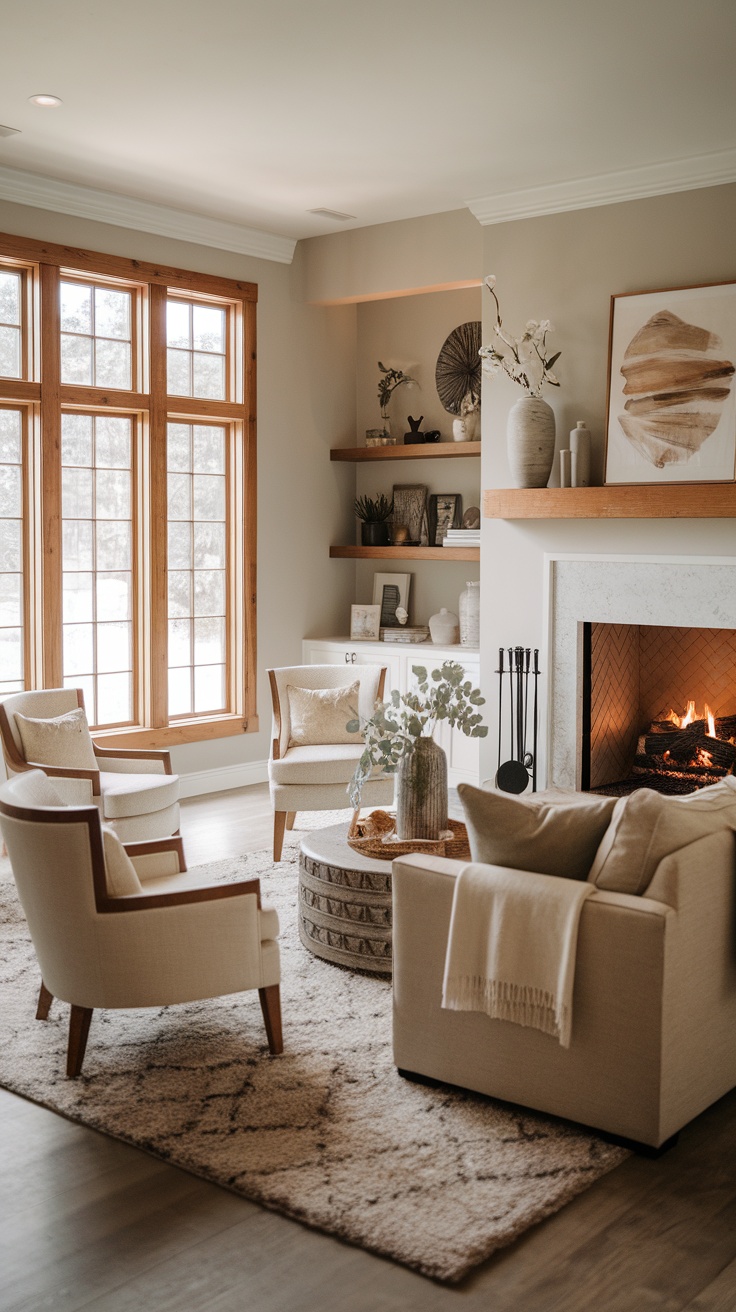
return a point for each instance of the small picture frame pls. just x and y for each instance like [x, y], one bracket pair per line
[671, 412]
[390, 593]
[365, 623]
[445, 511]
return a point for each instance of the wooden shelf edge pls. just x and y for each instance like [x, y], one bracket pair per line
[644, 501]
[405, 553]
[422, 451]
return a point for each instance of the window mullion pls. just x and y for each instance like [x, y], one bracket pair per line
[157, 655]
[51, 572]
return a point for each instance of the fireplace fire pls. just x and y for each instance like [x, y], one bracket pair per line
[631, 674]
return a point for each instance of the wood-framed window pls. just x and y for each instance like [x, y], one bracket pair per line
[127, 491]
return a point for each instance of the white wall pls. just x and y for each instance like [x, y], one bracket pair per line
[565, 267]
[306, 404]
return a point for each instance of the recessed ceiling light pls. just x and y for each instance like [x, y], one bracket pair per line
[332, 214]
[45, 100]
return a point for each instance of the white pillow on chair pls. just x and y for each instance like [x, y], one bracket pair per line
[63, 741]
[318, 716]
[121, 876]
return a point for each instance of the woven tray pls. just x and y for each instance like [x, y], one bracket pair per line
[372, 837]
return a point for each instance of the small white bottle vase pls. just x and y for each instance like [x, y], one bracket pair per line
[469, 608]
[444, 628]
[580, 448]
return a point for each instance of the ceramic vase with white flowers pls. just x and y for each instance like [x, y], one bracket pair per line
[530, 433]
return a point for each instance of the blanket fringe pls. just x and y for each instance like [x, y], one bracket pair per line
[502, 1000]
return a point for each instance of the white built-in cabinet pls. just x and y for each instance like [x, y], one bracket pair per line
[463, 754]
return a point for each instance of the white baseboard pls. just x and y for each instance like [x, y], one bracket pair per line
[227, 776]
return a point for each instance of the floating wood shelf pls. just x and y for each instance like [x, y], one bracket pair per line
[405, 553]
[420, 451]
[652, 501]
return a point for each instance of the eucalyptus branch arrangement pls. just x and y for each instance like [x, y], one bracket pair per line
[387, 384]
[525, 360]
[393, 731]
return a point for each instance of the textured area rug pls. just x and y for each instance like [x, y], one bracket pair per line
[328, 1133]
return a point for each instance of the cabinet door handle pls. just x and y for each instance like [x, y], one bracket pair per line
[347, 657]
[352, 658]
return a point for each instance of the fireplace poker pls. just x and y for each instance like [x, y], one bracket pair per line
[511, 703]
[527, 663]
[534, 741]
[519, 703]
[500, 701]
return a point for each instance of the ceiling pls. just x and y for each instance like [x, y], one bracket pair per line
[254, 113]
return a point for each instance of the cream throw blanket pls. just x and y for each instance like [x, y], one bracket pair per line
[512, 944]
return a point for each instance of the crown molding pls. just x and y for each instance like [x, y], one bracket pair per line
[141, 215]
[607, 188]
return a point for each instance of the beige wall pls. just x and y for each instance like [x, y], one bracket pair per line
[391, 259]
[306, 404]
[565, 267]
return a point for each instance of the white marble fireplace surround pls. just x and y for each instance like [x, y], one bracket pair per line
[687, 591]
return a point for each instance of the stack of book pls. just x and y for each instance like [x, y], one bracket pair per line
[462, 537]
[407, 633]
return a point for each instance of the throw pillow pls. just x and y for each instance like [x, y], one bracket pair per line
[547, 838]
[64, 741]
[646, 827]
[318, 716]
[36, 789]
[120, 873]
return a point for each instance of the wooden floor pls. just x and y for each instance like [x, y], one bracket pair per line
[89, 1223]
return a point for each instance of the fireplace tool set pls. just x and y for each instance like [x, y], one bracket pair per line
[512, 776]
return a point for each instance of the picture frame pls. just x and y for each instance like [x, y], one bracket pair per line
[365, 623]
[391, 591]
[410, 511]
[671, 402]
[445, 510]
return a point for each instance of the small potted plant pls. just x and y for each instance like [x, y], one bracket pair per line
[388, 382]
[399, 740]
[374, 513]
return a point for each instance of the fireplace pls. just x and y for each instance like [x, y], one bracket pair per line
[658, 707]
[671, 620]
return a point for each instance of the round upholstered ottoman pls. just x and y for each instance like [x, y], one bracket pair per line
[344, 902]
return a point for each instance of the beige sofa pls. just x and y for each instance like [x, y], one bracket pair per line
[654, 1008]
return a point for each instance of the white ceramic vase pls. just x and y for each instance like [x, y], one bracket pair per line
[530, 441]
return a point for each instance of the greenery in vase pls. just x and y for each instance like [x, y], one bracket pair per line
[373, 510]
[387, 384]
[393, 731]
[525, 360]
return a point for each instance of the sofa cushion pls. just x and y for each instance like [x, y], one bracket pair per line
[319, 715]
[549, 838]
[137, 794]
[120, 873]
[62, 741]
[323, 764]
[646, 827]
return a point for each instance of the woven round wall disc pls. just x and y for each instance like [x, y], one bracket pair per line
[458, 366]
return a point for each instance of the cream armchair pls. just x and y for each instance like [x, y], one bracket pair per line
[654, 1006]
[135, 790]
[315, 776]
[115, 932]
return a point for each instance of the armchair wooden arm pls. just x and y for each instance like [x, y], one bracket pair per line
[148, 846]
[64, 772]
[134, 754]
[206, 893]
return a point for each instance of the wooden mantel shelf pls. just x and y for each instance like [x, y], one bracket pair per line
[650, 501]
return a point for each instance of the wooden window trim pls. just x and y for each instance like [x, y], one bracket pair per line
[44, 398]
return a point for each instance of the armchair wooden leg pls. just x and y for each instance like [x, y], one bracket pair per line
[270, 1000]
[290, 818]
[79, 1022]
[279, 825]
[44, 1002]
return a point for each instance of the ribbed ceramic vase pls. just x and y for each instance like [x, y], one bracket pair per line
[530, 441]
[421, 792]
